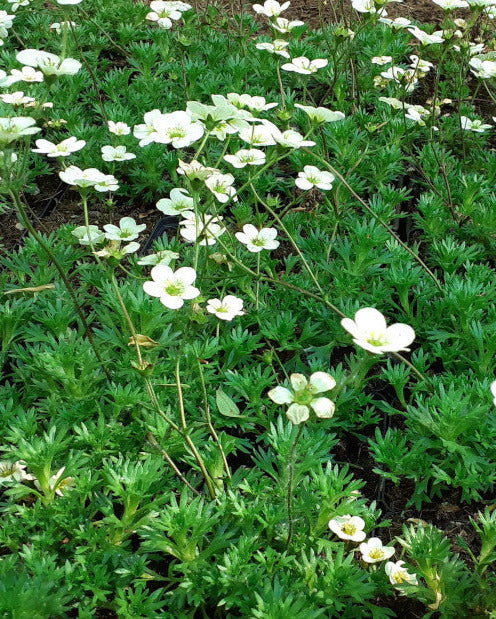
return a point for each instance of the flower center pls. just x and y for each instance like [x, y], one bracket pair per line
[400, 576]
[376, 553]
[349, 529]
[174, 289]
[177, 132]
[377, 339]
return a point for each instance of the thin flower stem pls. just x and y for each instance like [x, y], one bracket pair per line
[410, 365]
[153, 441]
[379, 219]
[281, 87]
[289, 499]
[257, 284]
[192, 446]
[128, 319]
[209, 420]
[27, 223]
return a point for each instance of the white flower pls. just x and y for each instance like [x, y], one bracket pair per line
[302, 394]
[227, 308]
[477, 125]
[164, 257]
[48, 64]
[17, 3]
[95, 235]
[396, 24]
[304, 65]
[399, 574]
[256, 240]
[68, 2]
[260, 135]
[118, 153]
[91, 177]
[348, 527]
[481, 3]
[221, 186]
[118, 128]
[484, 69]
[13, 128]
[16, 98]
[373, 551]
[26, 74]
[313, 177]
[422, 66]
[367, 6]
[63, 149]
[255, 104]
[58, 484]
[176, 128]
[277, 47]
[292, 139]
[195, 170]
[163, 13]
[57, 27]
[451, 5]
[493, 391]
[178, 201]
[144, 132]
[320, 115]
[127, 230]
[370, 332]
[281, 24]
[204, 228]
[424, 38]
[13, 471]
[116, 250]
[172, 287]
[244, 157]
[381, 60]
[270, 8]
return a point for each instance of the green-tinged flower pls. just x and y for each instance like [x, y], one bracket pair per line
[302, 396]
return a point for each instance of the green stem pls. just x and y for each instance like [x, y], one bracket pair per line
[289, 499]
[27, 223]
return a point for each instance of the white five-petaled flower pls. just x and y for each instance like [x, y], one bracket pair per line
[176, 128]
[313, 177]
[203, 229]
[277, 47]
[320, 115]
[227, 308]
[424, 38]
[368, 6]
[477, 125]
[484, 69]
[281, 24]
[257, 240]
[221, 186]
[164, 257]
[26, 74]
[91, 177]
[62, 149]
[304, 65]
[164, 13]
[270, 8]
[48, 64]
[421, 66]
[493, 391]
[118, 128]
[117, 153]
[260, 135]
[303, 395]
[399, 575]
[127, 230]
[172, 287]
[13, 471]
[292, 139]
[145, 131]
[348, 527]
[91, 235]
[450, 5]
[12, 129]
[369, 331]
[373, 551]
[244, 157]
[68, 2]
[16, 98]
[253, 103]
[179, 201]
[59, 26]
[381, 60]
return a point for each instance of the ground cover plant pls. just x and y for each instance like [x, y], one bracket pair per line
[248, 310]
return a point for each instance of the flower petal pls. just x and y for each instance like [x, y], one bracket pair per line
[321, 381]
[298, 381]
[323, 407]
[297, 413]
[281, 395]
[370, 319]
